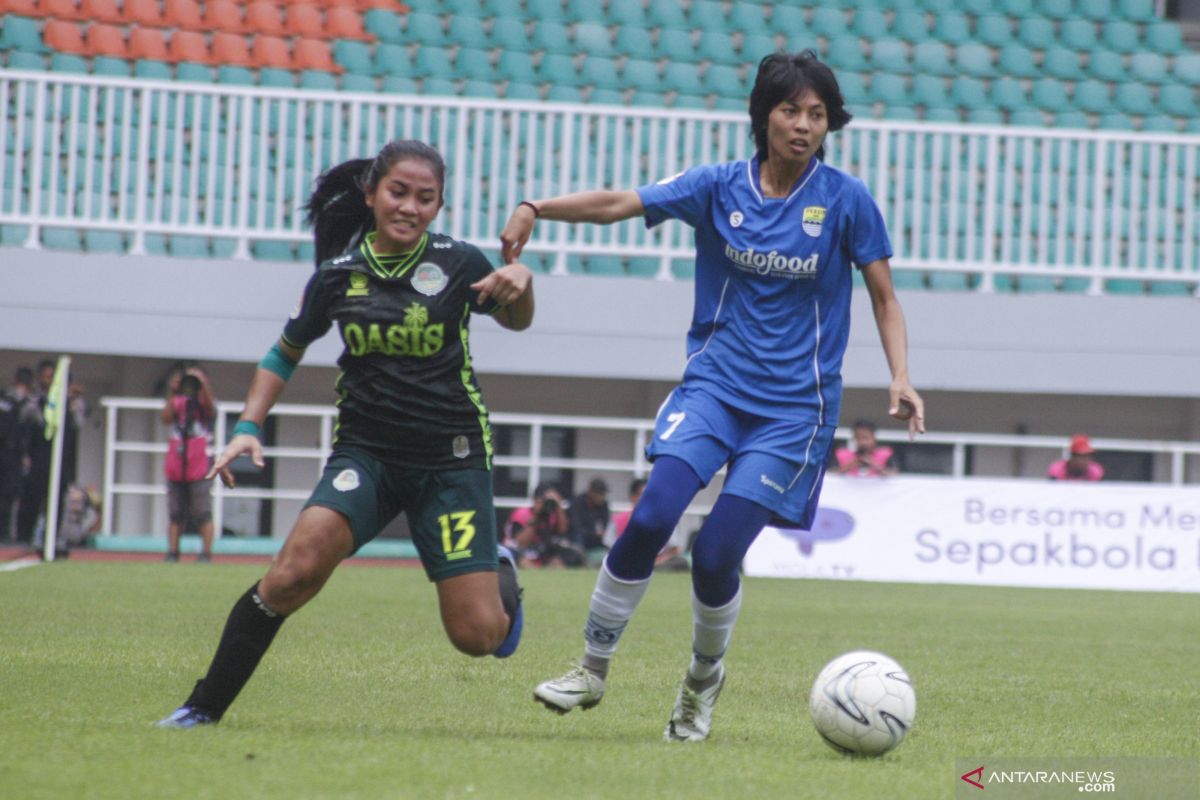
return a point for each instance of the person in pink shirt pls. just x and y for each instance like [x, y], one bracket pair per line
[867, 459]
[1080, 465]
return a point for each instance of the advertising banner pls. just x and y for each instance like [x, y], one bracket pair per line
[996, 532]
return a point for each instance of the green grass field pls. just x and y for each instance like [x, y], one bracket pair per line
[362, 697]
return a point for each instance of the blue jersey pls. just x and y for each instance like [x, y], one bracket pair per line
[773, 282]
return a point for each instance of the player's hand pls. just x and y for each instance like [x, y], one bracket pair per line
[504, 285]
[905, 404]
[241, 445]
[516, 233]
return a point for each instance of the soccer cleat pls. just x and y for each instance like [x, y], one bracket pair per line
[186, 717]
[510, 595]
[691, 720]
[171, 557]
[579, 688]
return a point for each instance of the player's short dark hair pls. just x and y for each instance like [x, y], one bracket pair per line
[23, 375]
[783, 76]
[337, 209]
[636, 485]
[540, 490]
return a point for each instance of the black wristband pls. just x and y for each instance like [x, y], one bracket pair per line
[537, 212]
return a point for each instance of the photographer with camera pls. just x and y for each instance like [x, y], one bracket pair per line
[190, 410]
[867, 459]
[539, 532]
[1080, 463]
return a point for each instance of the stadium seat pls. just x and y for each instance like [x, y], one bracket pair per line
[552, 37]
[932, 58]
[846, 53]
[974, 59]
[890, 55]
[1049, 94]
[1017, 61]
[183, 14]
[723, 80]
[547, 10]
[425, 29]
[319, 80]
[314, 54]
[105, 40]
[226, 16]
[969, 93]
[141, 12]
[561, 93]
[63, 36]
[854, 88]
[22, 33]
[558, 68]
[642, 76]
[353, 82]
[152, 69]
[1164, 38]
[829, 21]
[349, 55]
[271, 51]
[910, 24]
[69, 62]
[19, 59]
[889, 89]
[277, 77]
[516, 66]
[111, 66]
[1070, 118]
[384, 25]
[1178, 101]
[1133, 98]
[625, 12]
[1092, 96]
[398, 84]
[302, 19]
[1036, 33]
[930, 91]
[676, 45]
[342, 22]
[230, 49]
[522, 91]
[103, 242]
[1120, 36]
[147, 43]
[391, 59]
[469, 32]
[1107, 66]
[508, 33]
[633, 41]
[1186, 69]
[480, 89]
[1008, 94]
[790, 21]
[466, 8]
[1158, 123]
[869, 23]
[188, 46]
[66, 10]
[682, 78]
[608, 97]
[717, 47]
[1079, 34]
[1148, 67]
[235, 75]
[592, 39]
[994, 30]
[1136, 10]
[952, 28]
[756, 46]
[690, 101]
[706, 15]
[1030, 117]
[1063, 64]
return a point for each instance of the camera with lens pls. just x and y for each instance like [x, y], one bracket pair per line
[548, 508]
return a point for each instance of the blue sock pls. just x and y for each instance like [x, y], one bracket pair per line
[717, 553]
[671, 486]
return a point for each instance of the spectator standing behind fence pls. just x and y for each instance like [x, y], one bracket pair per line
[18, 416]
[37, 481]
[588, 516]
[1080, 465]
[190, 411]
[867, 458]
[539, 532]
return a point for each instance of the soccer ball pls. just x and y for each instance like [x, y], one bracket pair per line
[862, 703]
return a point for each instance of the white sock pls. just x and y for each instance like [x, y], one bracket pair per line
[613, 603]
[712, 628]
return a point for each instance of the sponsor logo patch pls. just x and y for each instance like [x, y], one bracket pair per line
[736, 219]
[461, 447]
[358, 285]
[428, 279]
[346, 481]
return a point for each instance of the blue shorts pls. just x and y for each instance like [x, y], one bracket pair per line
[779, 464]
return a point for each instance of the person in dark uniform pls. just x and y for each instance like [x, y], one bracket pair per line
[412, 433]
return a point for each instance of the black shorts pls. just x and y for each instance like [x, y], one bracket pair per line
[450, 512]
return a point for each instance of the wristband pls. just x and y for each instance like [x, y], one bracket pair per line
[278, 362]
[249, 427]
[537, 212]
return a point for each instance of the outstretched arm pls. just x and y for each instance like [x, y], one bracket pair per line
[512, 287]
[903, 401]
[600, 207]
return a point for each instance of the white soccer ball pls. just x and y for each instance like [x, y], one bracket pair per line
[862, 703]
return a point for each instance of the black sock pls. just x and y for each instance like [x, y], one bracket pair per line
[248, 633]
[510, 592]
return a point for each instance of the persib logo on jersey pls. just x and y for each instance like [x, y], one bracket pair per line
[813, 220]
[774, 263]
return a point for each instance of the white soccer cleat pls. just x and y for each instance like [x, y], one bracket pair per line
[579, 688]
[691, 720]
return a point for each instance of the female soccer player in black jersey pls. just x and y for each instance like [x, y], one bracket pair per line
[412, 432]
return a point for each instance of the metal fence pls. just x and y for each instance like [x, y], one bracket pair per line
[235, 164]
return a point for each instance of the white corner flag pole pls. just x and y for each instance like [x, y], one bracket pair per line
[56, 411]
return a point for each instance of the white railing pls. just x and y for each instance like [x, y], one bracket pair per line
[119, 413]
[236, 163]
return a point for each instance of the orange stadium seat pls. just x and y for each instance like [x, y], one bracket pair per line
[26, 8]
[223, 15]
[183, 14]
[271, 51]
[344, 22]
[188, 46]
[142, 12]
[105, 40]
[305, 19]
[264, 17]
[314, 54]
[100, 11]
[229, 49]
[148, 44]
[63, 36]
[58, 9]
[390, 5]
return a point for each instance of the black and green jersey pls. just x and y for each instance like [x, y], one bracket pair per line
[407, 390]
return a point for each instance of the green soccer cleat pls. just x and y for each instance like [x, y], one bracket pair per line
[691, 720]
[579, 688]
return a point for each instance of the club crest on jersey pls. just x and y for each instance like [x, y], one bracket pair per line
[813, 220]
[736, 219]
[461, 447]
[428, 279]
[358, 285]
[346, 481]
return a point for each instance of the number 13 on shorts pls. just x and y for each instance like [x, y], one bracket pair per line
[457, 522]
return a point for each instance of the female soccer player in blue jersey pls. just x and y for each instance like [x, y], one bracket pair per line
[412, 433]
[776, 238]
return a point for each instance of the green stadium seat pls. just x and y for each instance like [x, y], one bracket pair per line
[939, 6]
[508, 33]
[599, 73]
[557, 68]
[191, 72]
[932, 58]
[21, 59]
[717, 47]
[950, 281]
[910, 24]
[433, 62]
[691, 101]
[473, 65]
[676, 45]
[788, 19]
[756, 46]
[426, 6]
[384, 25]
[1178, 101]
[1185, 68]
[1029, 118]
[1037, 33]
[1125, 286]
[188, 246]
[1159, 123]
[552, 37]
[1171, 289]
[969, 93]
[890, 55]
[898, 113]
[545, 10]
[22, 33]
[479, 88]
[952, 28]
[609, 266]
[748, 18]
[273, 251]
[1071, 119]
[424, 29]
[1107, 66]
[152, 70]
[103, 242]
[66, 62]
[235, 76]
[683, 268]
[1094, 9]
[354, 56]
[1008, 94]
[112, 67]
[522, 91]
[846, 53]
[593, 39]
[985, 115]
[586, 11]
[1115, 121]
[682, 78]
[1063, 64]
[1050, 95]
[652, 99]
[1079, 34]
[942, 113]
[974, 59]
[633, 42]
[706, 15]
[625, 12]
[517, 66]
[1164, 38]
[62, 239]
[468, 32]
[908, 279]
[643, 267]
[829, 21]
[319, 80]
[642, 76]
[1017, 61]
[869, 23]
[1120, 36]
[889, 89]
[1013, 8]
[1148, 67]
[1136, 10]
[466, 8]
[13, 235]
[723, 80]
[353, 82]
[854, 88]
[994, 30]
[277, 78]
[439, 87]
[667, 15]
[558, 93]
[1133, 98]
[929, 91]
[608, 97]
